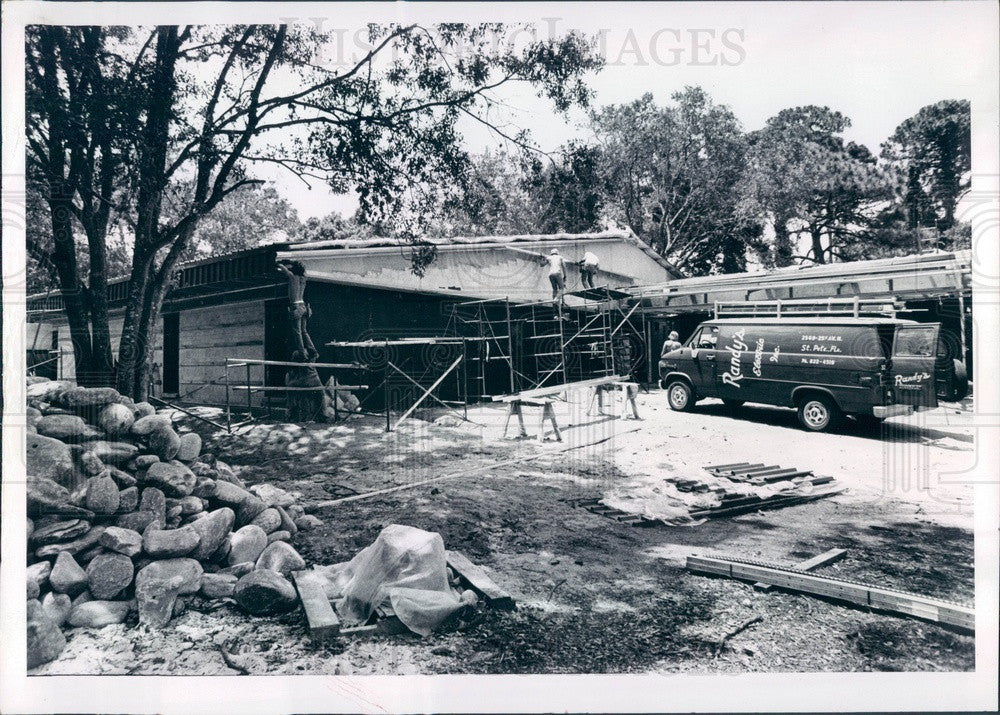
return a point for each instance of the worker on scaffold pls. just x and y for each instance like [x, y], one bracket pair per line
[588, 269]
[298, 310]
[557, 273]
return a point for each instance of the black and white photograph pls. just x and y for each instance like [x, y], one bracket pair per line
[358, 356]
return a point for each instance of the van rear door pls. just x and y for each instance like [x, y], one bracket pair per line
[911, 369]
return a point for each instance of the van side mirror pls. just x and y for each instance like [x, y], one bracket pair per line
[694, 353]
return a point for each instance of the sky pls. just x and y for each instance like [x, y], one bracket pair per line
[877, 63]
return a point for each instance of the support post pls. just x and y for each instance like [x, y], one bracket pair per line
[385, 383]
[229, 419]
[510, 343]
[961, 323]
[249, 394]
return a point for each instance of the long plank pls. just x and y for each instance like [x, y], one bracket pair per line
[478, 580]
[323, 621]
[899, 602]
[824, 559]
[556, 389]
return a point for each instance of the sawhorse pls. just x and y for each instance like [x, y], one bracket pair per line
[627, 390]
[514, 408]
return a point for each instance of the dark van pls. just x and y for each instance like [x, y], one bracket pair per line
[825, 367]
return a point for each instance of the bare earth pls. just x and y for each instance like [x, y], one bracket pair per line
[595, 595]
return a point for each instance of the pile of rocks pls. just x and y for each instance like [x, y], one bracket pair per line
[125, 514]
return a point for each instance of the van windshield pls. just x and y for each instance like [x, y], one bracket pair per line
[705, 338]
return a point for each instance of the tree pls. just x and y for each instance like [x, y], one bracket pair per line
[807, 182]
[253, 216]
[670, 174]
[201, 105]
[932, 150]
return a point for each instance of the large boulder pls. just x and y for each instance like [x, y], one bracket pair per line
[122, 541]
[246, 544]
[230, 494]
[67, 576]
[173, 478]
[45, 497]
[144, 409]
[102, 495]
[264, 592]
[280, 557]
[87, 397]
[128, 500]
[66, 428]
[47, 391]
[51, 459]
[45, 640]
[109, 575]
[164, 443]
[158, 585]
[218, 585]
[145, 426]
[170, 543]
[117, 453]
[190, 447]
[115, 419]
[269, 520]
[39, 573]
[90, 464]
[212, 530]
[272, 495]
[249, 510]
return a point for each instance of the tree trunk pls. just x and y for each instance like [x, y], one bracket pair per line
[819, 253]
[783, 249]
[98, 293]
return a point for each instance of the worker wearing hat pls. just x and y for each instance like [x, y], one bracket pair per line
[557, 272]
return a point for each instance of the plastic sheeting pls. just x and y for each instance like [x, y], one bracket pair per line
[404, 568]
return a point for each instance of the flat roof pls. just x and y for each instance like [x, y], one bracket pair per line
[816, 321]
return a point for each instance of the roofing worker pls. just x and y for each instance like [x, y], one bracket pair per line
[671, 343]
[298, 310]
[588, 269]
[557, 272]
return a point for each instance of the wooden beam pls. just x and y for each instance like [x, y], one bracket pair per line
[556, 389]
[475, 578]
[239, 362]
[882, 599]
[323, 622]
[824, 559]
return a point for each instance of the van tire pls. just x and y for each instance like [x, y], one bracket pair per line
[817, 413]
[959, 387]
[680, 396]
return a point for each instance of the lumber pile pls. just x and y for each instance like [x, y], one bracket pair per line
[126, 516]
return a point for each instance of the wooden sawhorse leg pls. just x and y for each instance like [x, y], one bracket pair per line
[550, 414]
[514, 408]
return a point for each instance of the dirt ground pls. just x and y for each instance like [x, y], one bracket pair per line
[595, 595]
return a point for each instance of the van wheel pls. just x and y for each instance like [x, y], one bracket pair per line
[818, 413]
[679, 396]
[733, 404]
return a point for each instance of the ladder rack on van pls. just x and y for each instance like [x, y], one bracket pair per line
[852, 307]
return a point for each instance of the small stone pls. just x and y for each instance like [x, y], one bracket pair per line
[58, 531]
[67, 576]
[164, 443]
[29, 528]
[98, 614]
[57, 607]
[32, 589]
[173, 477]
[238, 570]
[88, 396]
[212, 531]
[140, 520]
[76, 546]
[158, 585]
[122, 541]
[308, 521]
[180, 605]
[85, 557]
[47, 390]
[145, 426]
[109, 575]
[128, 500]
[45, 640]
[154, 500]
[117, 453]
[169, 543]
[174, 513]
[145, 461]
[102, 495]
[280, 557]
[204, 488]
[144, 409]
[287, 523]
[246, 544]
[469, 598]
[227, 474]
[66, 428]
[115, 419]
[218, 585]
[190, 447]
[264, 592]
[190, 505]
[123, 479]
[272, 495]
[51, 459]
[269, 520]
[39, 573]
[280, 535]
[295, 511]
[90, 464]
[249, 510]
[230, 494]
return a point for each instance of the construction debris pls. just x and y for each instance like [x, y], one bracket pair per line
[958, 615]
[126, 516]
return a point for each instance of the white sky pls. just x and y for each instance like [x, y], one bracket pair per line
[877, 63]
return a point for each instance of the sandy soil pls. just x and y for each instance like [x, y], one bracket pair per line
[595, 595]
